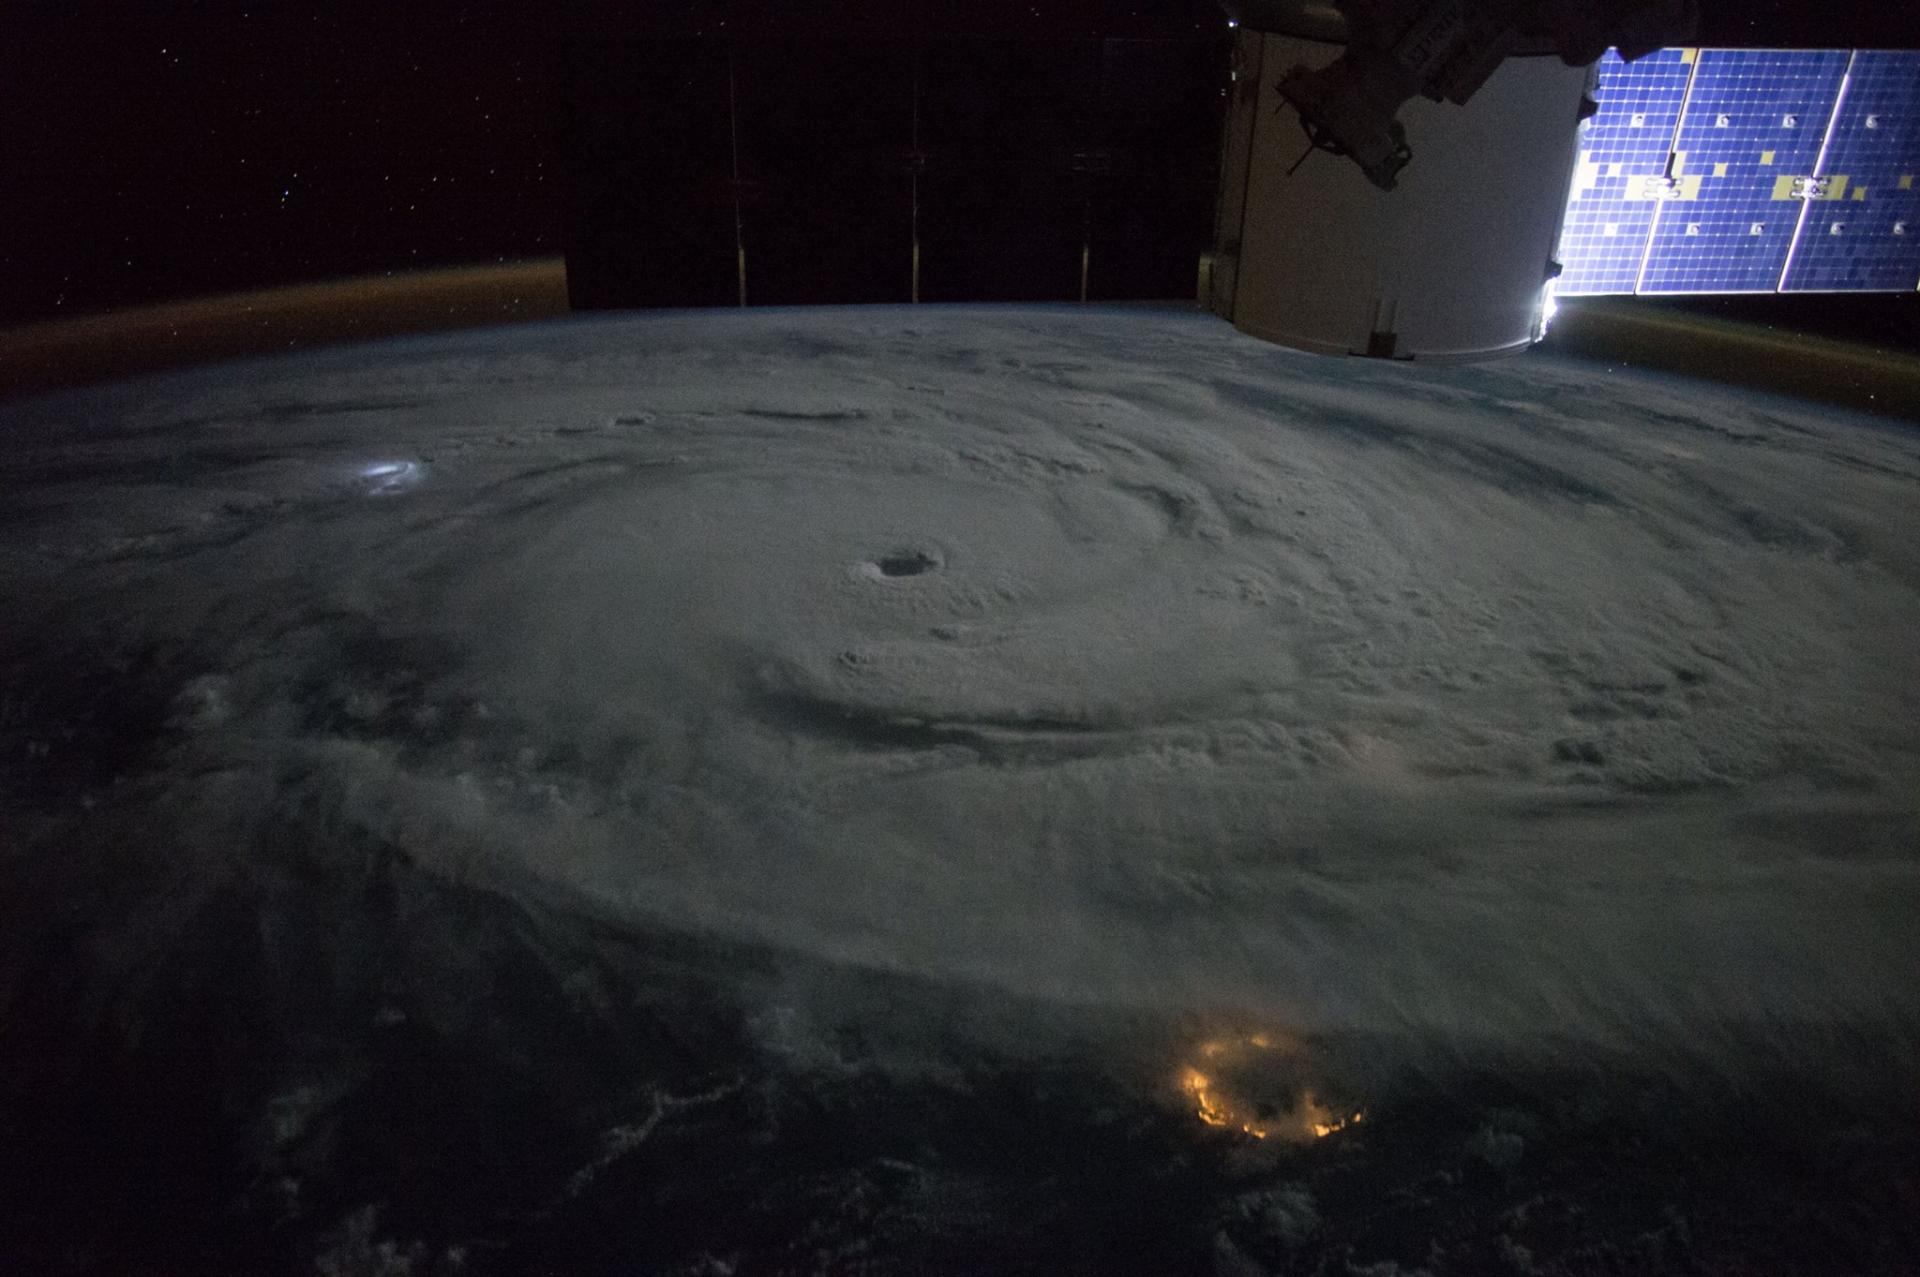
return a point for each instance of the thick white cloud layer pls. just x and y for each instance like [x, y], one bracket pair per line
[1101, 655]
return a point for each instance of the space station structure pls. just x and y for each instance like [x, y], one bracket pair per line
[1420, 179]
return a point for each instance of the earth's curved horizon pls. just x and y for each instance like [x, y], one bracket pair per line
[1882, 379]
[957, 789]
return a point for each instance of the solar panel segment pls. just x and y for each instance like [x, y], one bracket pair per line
[1754, 119]
[1748, 170]
[1863, 234]
[1604, 235]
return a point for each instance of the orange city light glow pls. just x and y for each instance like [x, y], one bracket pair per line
[1309, 1119]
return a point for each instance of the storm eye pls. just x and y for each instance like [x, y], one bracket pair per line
[906, 563]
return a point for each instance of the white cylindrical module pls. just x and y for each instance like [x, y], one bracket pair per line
[1450, 264]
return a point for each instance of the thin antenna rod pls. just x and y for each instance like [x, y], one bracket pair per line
[1086, 209]
[913, 171]
[733, 126]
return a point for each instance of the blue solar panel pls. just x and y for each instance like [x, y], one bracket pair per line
[1608, 217]
[1748, 170]
[1755, 118]
[1864, 233]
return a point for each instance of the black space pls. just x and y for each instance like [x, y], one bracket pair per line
[169, 149]
[191, 147]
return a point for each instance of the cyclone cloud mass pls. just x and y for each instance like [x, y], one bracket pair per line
[1109, 658]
